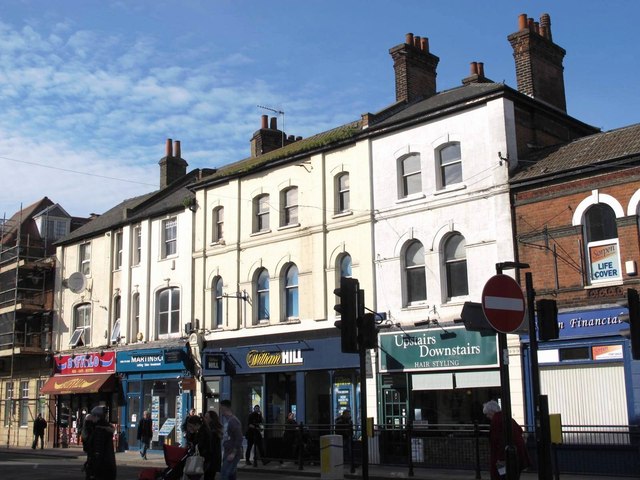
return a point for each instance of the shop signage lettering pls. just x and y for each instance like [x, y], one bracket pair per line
[150, 359]
[430, 350]
[85, 363]
[256, 358]
[579, 322]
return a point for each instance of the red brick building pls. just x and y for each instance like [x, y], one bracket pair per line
[575, 211]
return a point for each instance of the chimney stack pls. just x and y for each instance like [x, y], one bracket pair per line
[476, 74]
[415, 69]
[539, 70]
[268, 138]
[172, 165]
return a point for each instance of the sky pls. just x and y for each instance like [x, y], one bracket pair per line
[91, 89]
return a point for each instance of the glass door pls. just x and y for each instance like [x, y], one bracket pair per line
[134, 415]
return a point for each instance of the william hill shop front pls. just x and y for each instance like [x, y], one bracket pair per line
[436, 377]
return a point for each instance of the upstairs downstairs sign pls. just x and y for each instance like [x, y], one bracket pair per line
[419, 350]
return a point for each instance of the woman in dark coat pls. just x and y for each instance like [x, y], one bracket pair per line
[198, 436]
[98, 443]
[212, 421]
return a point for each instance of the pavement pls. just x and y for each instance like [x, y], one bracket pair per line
[376, 472]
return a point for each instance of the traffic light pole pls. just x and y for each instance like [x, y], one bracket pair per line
[363, 412]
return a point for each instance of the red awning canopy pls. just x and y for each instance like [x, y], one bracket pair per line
[65, 384]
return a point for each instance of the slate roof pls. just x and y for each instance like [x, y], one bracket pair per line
[135, 209]
[593, 150]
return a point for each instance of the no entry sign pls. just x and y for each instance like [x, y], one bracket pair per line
[503, 303]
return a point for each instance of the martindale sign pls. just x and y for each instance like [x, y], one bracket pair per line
[258, 358]
[436, 350]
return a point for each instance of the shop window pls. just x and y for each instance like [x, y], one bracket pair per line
[8, 403]
[455, 262]
[602, 244]
[574, 354]
[410, 172]
[450, 165]
[342, 193]
[262, 296]
[217, 302]
[24, 403]
[289, 209]
[291, 292]
[81, 325]
[415, 280]
[168, 311]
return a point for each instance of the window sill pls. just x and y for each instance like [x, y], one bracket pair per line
[411, 198]
[453, 301]
[261, 323]
[261, 232]
[290, 321]
[218, 243]
[346, 213]
[288, 227]
[416, 306]
[451, 188]
[169, 257]
[613, 283]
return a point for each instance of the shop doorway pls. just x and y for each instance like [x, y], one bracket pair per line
[133, 410]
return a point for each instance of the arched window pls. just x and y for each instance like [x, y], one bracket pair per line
[217, 299]
[81, 325]
[261, 213]
[415, 278]
[455, 261]
[410, 175]
[342, 193]
[289, 207]
[135, 317]
[291, 292]
[262, 296]
[168, 311]
[217, 224]
[602, 244]
[450, 162]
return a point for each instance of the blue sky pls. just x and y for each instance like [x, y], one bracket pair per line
[98, 86]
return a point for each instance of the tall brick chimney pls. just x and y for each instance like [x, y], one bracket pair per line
[268, 138]
[172, 165]
[539, 69]
[415, 69]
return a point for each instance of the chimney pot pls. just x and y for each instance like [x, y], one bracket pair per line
[168, 148]
[522, 21]
[298, 138]
[531, 25]
[424, 44]
[409, 38]
[545, 21]
[536, 27]
[481, 69]
[474, 68]
[265, 122]
[274, 123]
[176, 149]
[416, 41]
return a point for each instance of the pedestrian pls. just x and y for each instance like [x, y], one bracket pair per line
[145, 433]
[344, 427]
[199, 440]
[231, 442]
[39, 426]
[254, 435]
[98, 443]
[289, 437]
[497, 463]
[212, 420]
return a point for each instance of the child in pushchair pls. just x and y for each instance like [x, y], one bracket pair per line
[175, 458]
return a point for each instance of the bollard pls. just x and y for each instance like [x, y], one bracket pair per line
[331, 459]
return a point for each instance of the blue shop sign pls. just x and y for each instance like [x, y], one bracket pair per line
[151, 360]
[590, 323]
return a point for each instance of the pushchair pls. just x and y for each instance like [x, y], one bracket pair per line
[175, 458]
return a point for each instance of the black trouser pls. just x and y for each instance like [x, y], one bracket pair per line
[254, 439]
[35, 440]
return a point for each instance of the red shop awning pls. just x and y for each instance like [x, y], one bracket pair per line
[65, 384]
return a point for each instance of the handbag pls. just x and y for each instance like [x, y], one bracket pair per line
[194, 465]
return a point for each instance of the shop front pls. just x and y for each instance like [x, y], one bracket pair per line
[157, 380]
[81, 381]
[311, 378]
[590, 357]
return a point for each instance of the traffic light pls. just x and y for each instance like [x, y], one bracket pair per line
[368, 331]
[547, 319]
[348, 310]
[633, 319]
[474, 319]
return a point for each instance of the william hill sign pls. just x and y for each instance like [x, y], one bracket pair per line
[433, 350]
[257, 358]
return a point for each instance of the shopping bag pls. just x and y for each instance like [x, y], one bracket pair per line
[194, 465]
